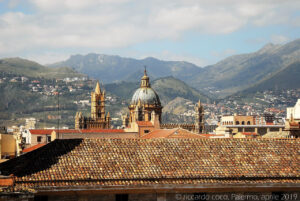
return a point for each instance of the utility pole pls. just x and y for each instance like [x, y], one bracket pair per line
[58, 117]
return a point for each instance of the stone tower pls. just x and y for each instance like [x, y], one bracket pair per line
[99, 119]
[98, 104]
[199, 118]
[78, 119]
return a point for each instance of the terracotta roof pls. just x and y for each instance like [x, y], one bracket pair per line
[102, 131]
[171, 133]
[211, 135]
[33, 148]
[295, 124]
[159, 133]
[183, 133]
[247, 133]
[49, 131]
[144, 123]
[131, 162]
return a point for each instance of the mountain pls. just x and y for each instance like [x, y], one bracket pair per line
[172, 112]
[177, 106]
[239, 72]
[23, 67]
[110, 69]
[15, 98]
[224, 78]
[167, 88]
[288, 78]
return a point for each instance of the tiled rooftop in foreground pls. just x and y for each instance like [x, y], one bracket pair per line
[113, 163]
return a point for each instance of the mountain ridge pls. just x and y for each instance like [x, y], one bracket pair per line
[115, 68]
[226, 77]
[287, 78]
[24, 67]
[239, 72]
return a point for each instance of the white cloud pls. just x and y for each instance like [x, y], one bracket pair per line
[106, 24]
[279, 39]
[224, 53]
[13, 3]
[47, 57]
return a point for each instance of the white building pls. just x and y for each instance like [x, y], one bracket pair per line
[29, 124]
[293, 111]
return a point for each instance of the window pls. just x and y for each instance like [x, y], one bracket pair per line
[48, 138]
[248, 123]
[39, 139]
[146, 131]
[121, 197]
[237, 122]
[243, 123]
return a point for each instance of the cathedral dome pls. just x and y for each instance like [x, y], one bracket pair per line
[146, 95]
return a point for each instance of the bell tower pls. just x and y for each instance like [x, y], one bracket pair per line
[99, 119]
[98, 103]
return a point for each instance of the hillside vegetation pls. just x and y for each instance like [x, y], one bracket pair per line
[28, 68]
[288, 78]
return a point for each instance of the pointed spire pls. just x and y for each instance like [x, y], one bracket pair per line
[199, 103]
[145, 71]
[108, 115]
[97, 89]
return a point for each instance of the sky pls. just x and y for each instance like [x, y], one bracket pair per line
[199, 31]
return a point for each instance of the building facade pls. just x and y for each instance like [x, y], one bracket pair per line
[292, 123]
[237, 120]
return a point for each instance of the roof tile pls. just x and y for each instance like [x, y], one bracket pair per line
[162, 161]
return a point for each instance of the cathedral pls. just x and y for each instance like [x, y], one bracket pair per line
[99, 119]
[144, 101]
[145, 109]
[145, 106]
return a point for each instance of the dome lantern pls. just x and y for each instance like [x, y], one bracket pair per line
[145, 80]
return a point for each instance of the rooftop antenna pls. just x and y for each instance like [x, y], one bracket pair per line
[44, 113]
[58, 118]
[58, 112]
